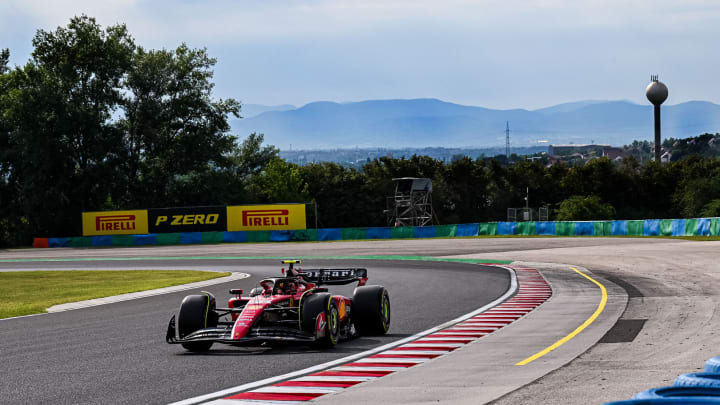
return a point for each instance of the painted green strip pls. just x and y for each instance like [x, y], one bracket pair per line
[369, 257]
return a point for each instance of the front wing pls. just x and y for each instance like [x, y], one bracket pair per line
[223, 334]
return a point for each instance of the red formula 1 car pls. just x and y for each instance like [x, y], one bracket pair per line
[295, 307]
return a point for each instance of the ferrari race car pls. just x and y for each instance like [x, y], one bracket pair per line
[293, 308]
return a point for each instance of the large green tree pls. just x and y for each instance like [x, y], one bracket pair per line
[281, 182]
[579, 208]
[176, 132]
[64, 146]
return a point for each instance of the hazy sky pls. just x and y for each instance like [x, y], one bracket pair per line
[497, 54]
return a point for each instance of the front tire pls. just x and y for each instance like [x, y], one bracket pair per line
[312, 307]
[332, 326]
[371, 310]
[196, 312]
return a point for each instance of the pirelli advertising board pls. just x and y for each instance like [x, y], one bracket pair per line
[187, 219]
[275, 217]
[195, 219]
[115, 223]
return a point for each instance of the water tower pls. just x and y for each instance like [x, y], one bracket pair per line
[657, 93]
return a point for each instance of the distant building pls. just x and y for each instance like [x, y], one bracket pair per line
[614, 153]
[665, 158]
[553, 160]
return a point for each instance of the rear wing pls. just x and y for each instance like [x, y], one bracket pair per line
[335, 276]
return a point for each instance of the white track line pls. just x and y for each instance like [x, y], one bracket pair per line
[415, 352]
[131, 296]
[320, 378]
[143, 294]
[363, 368]
[301, 390]
[444, 339]
[371, 360]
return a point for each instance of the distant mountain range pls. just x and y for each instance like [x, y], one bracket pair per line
[432, 122]
[251, 110]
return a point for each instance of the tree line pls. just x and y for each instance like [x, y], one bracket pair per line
[480, 190]
[94, 121]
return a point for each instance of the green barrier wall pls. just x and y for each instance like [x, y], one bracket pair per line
[305, 235]
[445, 231]
[525, 228]
[168, 239]
[123, 240]
[663, 227]
[353, 233]
[402, 232]
[635, 228]
[488, 228]
[601, 228]
[210, 237]
[258, 236]
[607, 227]
[80, 241]
[564, 228]
[666, 227]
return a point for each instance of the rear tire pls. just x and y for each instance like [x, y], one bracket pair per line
[371, 310]
[196, 312]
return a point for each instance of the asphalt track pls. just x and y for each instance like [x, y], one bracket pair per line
[673, 287]
[116, 353]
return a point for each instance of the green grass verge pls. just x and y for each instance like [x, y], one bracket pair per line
[32, 292]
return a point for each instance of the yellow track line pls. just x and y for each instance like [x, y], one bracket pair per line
[579, 329]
